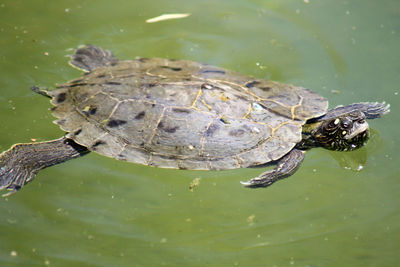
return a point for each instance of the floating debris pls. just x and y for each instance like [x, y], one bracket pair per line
[195, 183]
[251, 218]
[168, 17]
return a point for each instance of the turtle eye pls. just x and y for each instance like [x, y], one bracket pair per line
[361, 121]
[346, 124]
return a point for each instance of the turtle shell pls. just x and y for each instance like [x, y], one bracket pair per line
[183, 114]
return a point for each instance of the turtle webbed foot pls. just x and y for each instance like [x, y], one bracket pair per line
[375, 110]
[12, 175]
[285, 167]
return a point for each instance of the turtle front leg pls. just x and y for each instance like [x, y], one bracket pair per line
[375, 110]
[285, 167]
[371, 110]
[19, 164]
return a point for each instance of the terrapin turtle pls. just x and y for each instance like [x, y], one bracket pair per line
[186, 115]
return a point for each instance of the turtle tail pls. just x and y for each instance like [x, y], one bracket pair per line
[90, 57]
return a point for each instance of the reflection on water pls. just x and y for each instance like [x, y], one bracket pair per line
[357, 159]
[353, 160]
[100, 211]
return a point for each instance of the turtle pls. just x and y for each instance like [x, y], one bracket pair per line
[186, 115]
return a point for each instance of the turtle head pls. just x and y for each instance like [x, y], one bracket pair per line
[346, 132]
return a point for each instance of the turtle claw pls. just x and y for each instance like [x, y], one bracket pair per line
[247, 184]
[260, 181]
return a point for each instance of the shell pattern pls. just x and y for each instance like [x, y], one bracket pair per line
[183, 114]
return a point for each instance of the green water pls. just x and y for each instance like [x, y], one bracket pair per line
[97, 211]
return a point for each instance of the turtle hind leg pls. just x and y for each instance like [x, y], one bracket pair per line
[285, 167]
[90, 57]
[19, 164]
